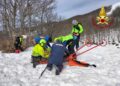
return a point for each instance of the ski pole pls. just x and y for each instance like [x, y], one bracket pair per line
[42, 72]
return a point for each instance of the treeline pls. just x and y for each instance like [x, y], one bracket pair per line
[20, 16]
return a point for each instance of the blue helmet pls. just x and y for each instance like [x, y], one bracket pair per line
[47, 38]
[37, 39]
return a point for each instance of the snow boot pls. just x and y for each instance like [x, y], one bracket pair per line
[34, 64]
[58, 69]
[49, 67]
[57, 72]
[17, 51]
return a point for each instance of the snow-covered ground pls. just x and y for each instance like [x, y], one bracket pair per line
[16, 70]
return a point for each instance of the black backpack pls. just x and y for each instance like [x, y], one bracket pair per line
[77, 27]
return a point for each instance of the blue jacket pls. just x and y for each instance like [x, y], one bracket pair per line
[57, 54]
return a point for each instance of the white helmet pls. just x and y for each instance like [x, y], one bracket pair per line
[24, 36]
[74, 22]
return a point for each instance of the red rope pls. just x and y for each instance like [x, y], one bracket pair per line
[87, 50]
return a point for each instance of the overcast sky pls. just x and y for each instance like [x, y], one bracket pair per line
[69, 8]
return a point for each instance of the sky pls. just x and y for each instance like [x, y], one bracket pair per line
[70, 8]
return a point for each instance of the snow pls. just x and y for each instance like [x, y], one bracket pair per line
[16, 70]
[113, 8]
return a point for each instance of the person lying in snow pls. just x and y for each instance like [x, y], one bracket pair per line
[40, 51]
[56, 58]
[72, 61]
[68, 41]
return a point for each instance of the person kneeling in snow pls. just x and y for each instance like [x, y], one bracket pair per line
[40, 52]
[56, 58]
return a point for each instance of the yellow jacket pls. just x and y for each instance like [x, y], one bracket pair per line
[39, 51]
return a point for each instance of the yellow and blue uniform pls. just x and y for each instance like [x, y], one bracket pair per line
[77, 30]
[40, 52]
[40, 49]
[18, 43]
[67, 41]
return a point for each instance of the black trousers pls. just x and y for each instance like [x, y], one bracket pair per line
[77, 42]
[18, 47]
[71, 48]
[35, 60]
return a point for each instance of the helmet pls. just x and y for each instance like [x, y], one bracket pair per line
[24, 36]
[42, 42]
[47, 38]
[37, 39]
[74, 22]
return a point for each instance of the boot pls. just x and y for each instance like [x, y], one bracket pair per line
[58, 69]
[49, 67]
[34, 65]
[57, 72]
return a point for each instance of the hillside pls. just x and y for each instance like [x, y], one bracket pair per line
[64, 27]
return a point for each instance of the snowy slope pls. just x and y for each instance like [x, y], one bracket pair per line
[16, 70]
[113, 8]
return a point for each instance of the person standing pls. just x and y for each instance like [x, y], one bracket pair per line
[77, 29]
[18, 44]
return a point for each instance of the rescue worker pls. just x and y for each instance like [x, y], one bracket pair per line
[39, 53]
[68, 41]
[18, 44]
[77, 29]
[56, 58]
[72, 61]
